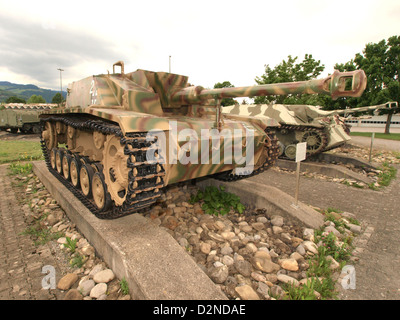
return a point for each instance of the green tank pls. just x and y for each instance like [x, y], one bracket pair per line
[24, 117]
[122, 137]
[322, 130]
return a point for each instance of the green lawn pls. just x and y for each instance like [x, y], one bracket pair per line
[378, 135]
[19, 150]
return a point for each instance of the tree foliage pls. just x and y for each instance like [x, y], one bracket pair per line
[381, 63]
[15, 99]
[36, 99]
[58, 98]
[225, 101]
[289, 71]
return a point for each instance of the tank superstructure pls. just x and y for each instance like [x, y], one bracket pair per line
[122, 137]
[24, 117]
[322, 130]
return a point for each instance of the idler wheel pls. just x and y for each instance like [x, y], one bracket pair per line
[49, 136]
[101, 196]
[85, 178]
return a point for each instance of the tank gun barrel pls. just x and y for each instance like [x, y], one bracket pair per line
[336, 85]
[387, 105]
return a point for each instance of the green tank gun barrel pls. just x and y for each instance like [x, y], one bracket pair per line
[336, 85]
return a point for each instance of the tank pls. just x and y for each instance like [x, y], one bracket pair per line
[24, 117]
[322, 130]
[122, 137]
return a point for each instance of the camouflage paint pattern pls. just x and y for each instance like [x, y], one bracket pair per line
[304, 116]
[142, 101]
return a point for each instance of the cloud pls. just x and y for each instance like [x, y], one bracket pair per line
[36, 50]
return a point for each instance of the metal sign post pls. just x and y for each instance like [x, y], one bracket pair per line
[301, 150]
[370, 149]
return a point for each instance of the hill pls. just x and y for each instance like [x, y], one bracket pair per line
[25, 91]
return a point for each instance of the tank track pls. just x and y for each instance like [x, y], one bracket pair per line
[147, 191]
[271, 144]
[321, 132]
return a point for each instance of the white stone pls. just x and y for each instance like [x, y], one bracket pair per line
[98, 290]
[104, 276]
[310, 246]
[86, 286]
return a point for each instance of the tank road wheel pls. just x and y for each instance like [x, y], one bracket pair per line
[85, 178]
[53, 158]
[115, 169]
[314, 141]
[290, 151]
[66, 161]
[74, 168]
[59, 154]
[101, 196]
[281, 148]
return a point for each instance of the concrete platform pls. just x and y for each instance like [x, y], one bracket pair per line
[268, 197]
[330, 170]
[152, 262]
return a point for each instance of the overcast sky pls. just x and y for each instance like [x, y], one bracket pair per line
[209, 41]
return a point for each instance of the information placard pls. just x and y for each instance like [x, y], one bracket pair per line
[301, 150]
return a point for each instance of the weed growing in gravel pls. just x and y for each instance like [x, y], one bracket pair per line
[41, 235]
[77, 260]
[20, 168]
[124, 286]
[320, 272]
[388, 173]
[217, 201]
[71, 244]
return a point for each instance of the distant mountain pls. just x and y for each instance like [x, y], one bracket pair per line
[25, 91]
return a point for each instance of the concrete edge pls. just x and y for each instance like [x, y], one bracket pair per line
[149, 258]
[330, 170]
[270, 198]
[337, 157]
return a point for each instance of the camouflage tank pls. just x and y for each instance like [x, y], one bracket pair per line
[24, 117]
[117, 141]
[322, 130]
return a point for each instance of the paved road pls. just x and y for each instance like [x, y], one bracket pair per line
[377, 272]
[378, 144]
[21, 262]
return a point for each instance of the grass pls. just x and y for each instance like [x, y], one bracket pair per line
[320, 284]
[124, 286]
[13, 151]
[17, 168]
[378, 135]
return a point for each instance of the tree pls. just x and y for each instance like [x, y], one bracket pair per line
[36, 99]
[290, 71]
[225, 101]
[14, 99]
[381, 63]
[58, 98]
